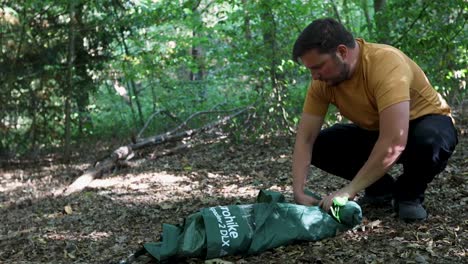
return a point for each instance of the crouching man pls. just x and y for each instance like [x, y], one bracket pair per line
[396, 115]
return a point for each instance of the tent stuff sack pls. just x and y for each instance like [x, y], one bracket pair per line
[248, 229]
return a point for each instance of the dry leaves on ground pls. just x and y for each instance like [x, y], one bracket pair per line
[116, 214]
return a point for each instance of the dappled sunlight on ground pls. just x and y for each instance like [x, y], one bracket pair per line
[76, 236]
[135, 181]
[118, 212]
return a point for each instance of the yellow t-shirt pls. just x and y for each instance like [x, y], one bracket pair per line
[384, 76]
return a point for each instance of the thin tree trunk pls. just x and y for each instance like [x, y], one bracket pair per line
[155, 98]
[132, 84]
[335, 9]
[128, 98]
[346, 13]
[69, 86]
[196, 52]
[365, 9]
[277, 79]
[33, 112]
[81, 96]
[380, 22]
[247, 31]
[379, 5]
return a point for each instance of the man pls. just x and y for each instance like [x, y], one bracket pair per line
[396, 115]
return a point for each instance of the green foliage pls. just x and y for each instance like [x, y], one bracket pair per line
[135, 58]
[434, 35]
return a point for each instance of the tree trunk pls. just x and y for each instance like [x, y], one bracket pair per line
[196, 52]
[365, 10]
[277, 79]
[380, 22]
[379, 5]
[247, 31]
[197, 57]
[69, 86]
[335, 10]
[347, 12]
[33, 113]
[81, 96]
[132, 84]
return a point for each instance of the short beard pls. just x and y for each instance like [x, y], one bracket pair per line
[344, 72]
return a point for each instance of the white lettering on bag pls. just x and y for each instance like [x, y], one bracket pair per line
[227, 227]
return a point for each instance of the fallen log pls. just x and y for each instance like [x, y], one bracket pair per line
[127, 152]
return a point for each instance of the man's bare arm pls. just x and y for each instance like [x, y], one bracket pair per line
[393, 133]
[308, 130]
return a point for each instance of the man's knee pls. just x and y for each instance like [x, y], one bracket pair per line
[428, 151]
[434, 137]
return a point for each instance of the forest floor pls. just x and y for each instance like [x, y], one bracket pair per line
[119, 212]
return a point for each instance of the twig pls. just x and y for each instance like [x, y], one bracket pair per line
[169, 136]
[184, 123]
[148, 122]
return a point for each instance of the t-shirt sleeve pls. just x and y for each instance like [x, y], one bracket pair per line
[317, 100]
[391, 81]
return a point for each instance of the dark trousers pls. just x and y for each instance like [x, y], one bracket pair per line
[344, 148]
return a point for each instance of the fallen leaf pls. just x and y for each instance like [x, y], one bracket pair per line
[375, 223]
[166, 206]
[282, 160]
[68, 209]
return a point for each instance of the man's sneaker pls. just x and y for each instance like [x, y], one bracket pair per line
[375, 201]
[410, 211]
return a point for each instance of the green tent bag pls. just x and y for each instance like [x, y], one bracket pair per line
[250, 229]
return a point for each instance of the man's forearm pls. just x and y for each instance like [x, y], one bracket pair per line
[381, 159]
[307, 132]
[301, 165]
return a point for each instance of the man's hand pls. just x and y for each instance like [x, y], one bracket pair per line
[301, 198]
[327, 201]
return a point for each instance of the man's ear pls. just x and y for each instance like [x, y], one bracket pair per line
[342, 51]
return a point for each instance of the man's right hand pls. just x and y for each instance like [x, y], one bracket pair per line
[301, 198]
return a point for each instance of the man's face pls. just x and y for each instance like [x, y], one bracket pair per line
[327, 67]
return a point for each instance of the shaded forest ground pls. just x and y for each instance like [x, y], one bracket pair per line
[117, 213]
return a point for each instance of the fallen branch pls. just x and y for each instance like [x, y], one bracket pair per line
[184, 123]
[170, 136]
[126, 152]
[108, 164]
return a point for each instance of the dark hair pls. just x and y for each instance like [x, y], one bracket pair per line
[324, 35]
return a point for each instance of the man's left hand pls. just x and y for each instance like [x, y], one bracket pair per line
[327, 201]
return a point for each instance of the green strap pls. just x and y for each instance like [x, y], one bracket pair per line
[338, 202]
